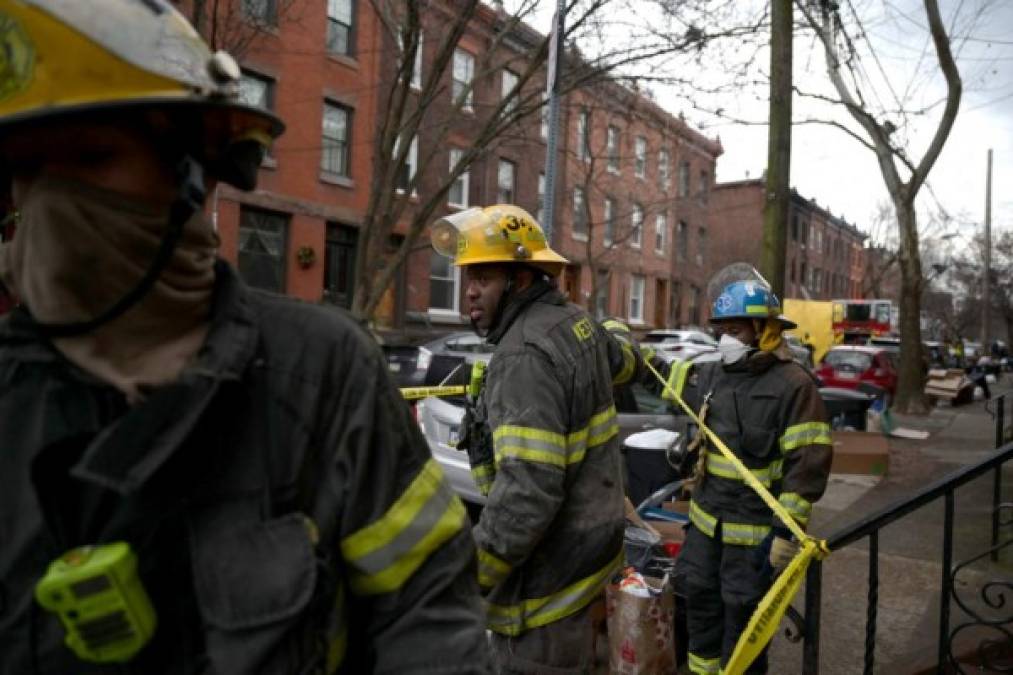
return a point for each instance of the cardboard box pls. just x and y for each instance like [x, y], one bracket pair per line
[860, 452]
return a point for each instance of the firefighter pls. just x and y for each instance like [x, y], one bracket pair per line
[768, 411]
[245, 453]
[551, 533]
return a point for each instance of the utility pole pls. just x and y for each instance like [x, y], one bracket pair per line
[552, 89]
[778, 197]
[986, 313]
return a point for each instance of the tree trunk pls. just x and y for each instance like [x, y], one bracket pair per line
[910, 397]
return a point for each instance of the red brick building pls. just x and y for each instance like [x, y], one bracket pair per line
[632, 208]
[824, 255]
[321, 67]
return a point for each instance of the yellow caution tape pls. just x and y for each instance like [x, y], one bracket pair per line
[765, 620]
[414, 393]
[768, 614]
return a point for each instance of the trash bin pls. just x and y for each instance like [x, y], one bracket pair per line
[846, 408]
[651, 457]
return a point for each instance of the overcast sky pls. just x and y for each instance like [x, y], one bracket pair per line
[833, 168]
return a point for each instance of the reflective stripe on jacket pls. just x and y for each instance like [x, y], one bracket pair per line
[769, 413]
[551, 533]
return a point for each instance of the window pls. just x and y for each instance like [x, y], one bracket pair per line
[541, 199]
[701, 246]
[416, 81]
[802, 278]
[660, 233]
[505, 179]
[609, 216]
[263, 246]
[256, 90]
[444, 283]
[507, 86]
[339, 264]
[663, 174]
[458, 194]
[640, 157]
[601, 300]
[612, 148]
[406, 172]
[636, 225]
[683, 179]
[464, 72]
[704, 186]
[579, 214]
[583, 136]
[637, 298]
[264, 12]
[681, 241]
[339, 27]
[334, 155]
[694, 305]
[794, 227]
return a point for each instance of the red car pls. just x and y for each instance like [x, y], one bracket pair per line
[847, 366]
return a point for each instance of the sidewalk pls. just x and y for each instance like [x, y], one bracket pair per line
[910, 574]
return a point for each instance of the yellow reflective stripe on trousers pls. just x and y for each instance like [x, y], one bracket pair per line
[795, 504]
[807, 433]
[385, 553]
[491, 570]
[529, 444]
[699, 665]
[515, 619]
[602, 427]
[742, 534]
[677, 375]
[338, 645]
[484, 474]
[721, 467]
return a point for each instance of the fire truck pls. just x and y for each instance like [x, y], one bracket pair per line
[855, 321]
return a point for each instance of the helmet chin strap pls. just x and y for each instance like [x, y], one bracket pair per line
[504, 300]
[189, 199]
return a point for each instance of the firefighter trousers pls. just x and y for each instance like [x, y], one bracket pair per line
[723, 584]
[562, 647]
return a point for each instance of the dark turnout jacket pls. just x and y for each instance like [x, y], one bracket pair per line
[767, 409]
[551, 533]
[285, 511]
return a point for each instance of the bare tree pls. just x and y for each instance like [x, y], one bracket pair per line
[235, 25]
[902, 175]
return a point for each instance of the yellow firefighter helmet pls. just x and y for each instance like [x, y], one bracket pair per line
[495, 234]
[61, 58]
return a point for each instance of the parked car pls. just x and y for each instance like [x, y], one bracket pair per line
[410, 365]
[681, 343]
[847, 366]
[440, 420]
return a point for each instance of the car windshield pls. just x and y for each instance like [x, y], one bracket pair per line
[848, 360]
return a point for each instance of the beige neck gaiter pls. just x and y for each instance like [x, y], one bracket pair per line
[78, 249]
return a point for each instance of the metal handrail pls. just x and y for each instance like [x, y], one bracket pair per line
[870, 526]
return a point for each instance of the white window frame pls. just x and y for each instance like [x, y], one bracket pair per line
[503, 162]
[455, 277]
[349, 27]
[640, 157]
[660, 233]
[412, 161]
[508, 82]
[416, 81]
[464, 65]
[684, 179]
[343, 143]
[543, 129]
[609, 221]
[464, 179]
[612, 135]
[636, 299]
[701, 245]
[637, 225]
[540, 214]
[584, 135]
[664, 171]
[579, 212]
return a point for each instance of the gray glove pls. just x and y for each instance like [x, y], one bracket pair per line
[782, 551]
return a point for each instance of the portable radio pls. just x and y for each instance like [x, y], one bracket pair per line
[477, 378]
[101, 602]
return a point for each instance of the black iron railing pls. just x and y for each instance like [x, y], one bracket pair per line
[997, 595]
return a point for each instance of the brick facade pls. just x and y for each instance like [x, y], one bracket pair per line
[824, 258]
